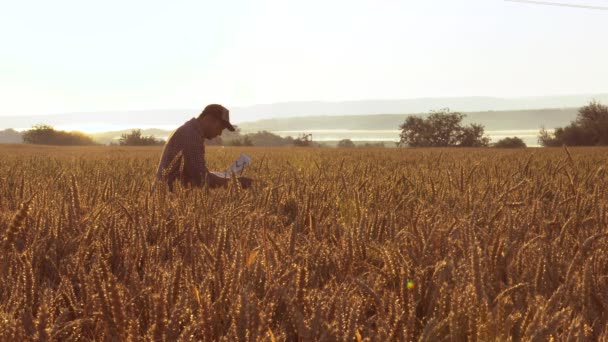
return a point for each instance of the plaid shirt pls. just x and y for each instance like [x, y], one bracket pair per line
[184, 156]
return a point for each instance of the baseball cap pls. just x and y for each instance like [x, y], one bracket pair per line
[219, 112]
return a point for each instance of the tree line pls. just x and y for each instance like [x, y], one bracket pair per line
[441, 128]
[445, 129]
[48, 135]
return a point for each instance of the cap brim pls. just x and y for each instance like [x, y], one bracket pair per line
[228, 126]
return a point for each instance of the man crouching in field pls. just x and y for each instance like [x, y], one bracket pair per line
[184, 154]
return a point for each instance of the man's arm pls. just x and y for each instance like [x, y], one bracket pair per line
[196, 172]
[215, 181]
[195, 167]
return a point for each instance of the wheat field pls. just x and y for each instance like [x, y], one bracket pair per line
[329, 245]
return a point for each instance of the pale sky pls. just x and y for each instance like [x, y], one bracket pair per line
[69, 56]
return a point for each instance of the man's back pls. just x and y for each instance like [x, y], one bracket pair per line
[183, 157]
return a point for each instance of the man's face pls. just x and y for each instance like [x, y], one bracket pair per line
[216, 128]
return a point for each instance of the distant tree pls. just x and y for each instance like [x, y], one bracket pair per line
[590, 128]
[303, 140]
[546, 139]
[346, 143]
[39, 134]
[509, 142]
[136, 138]
[473, 136]
[593, 120]
[441, 129]
[47, 135]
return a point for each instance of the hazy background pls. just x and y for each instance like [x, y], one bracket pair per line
[84, 57]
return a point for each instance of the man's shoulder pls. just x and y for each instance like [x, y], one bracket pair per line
[186, 133]
[186, 128]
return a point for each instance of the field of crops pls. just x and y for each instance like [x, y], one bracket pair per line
[332, 245]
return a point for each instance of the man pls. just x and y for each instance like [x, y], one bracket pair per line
[183, 157]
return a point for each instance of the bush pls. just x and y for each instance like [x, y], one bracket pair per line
[346, 143]
[303, 140]
[261, 138]
[508, 142]
[375, 144]
[135, 138]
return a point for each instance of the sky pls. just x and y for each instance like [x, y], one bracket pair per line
[66, 56]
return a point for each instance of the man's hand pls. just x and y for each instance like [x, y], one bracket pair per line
[245, 182]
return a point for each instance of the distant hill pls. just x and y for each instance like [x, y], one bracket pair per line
[492, 120]
[418, 105]
[10, 136]
[118, 120]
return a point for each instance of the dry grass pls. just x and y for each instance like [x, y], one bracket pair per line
[329, 245]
